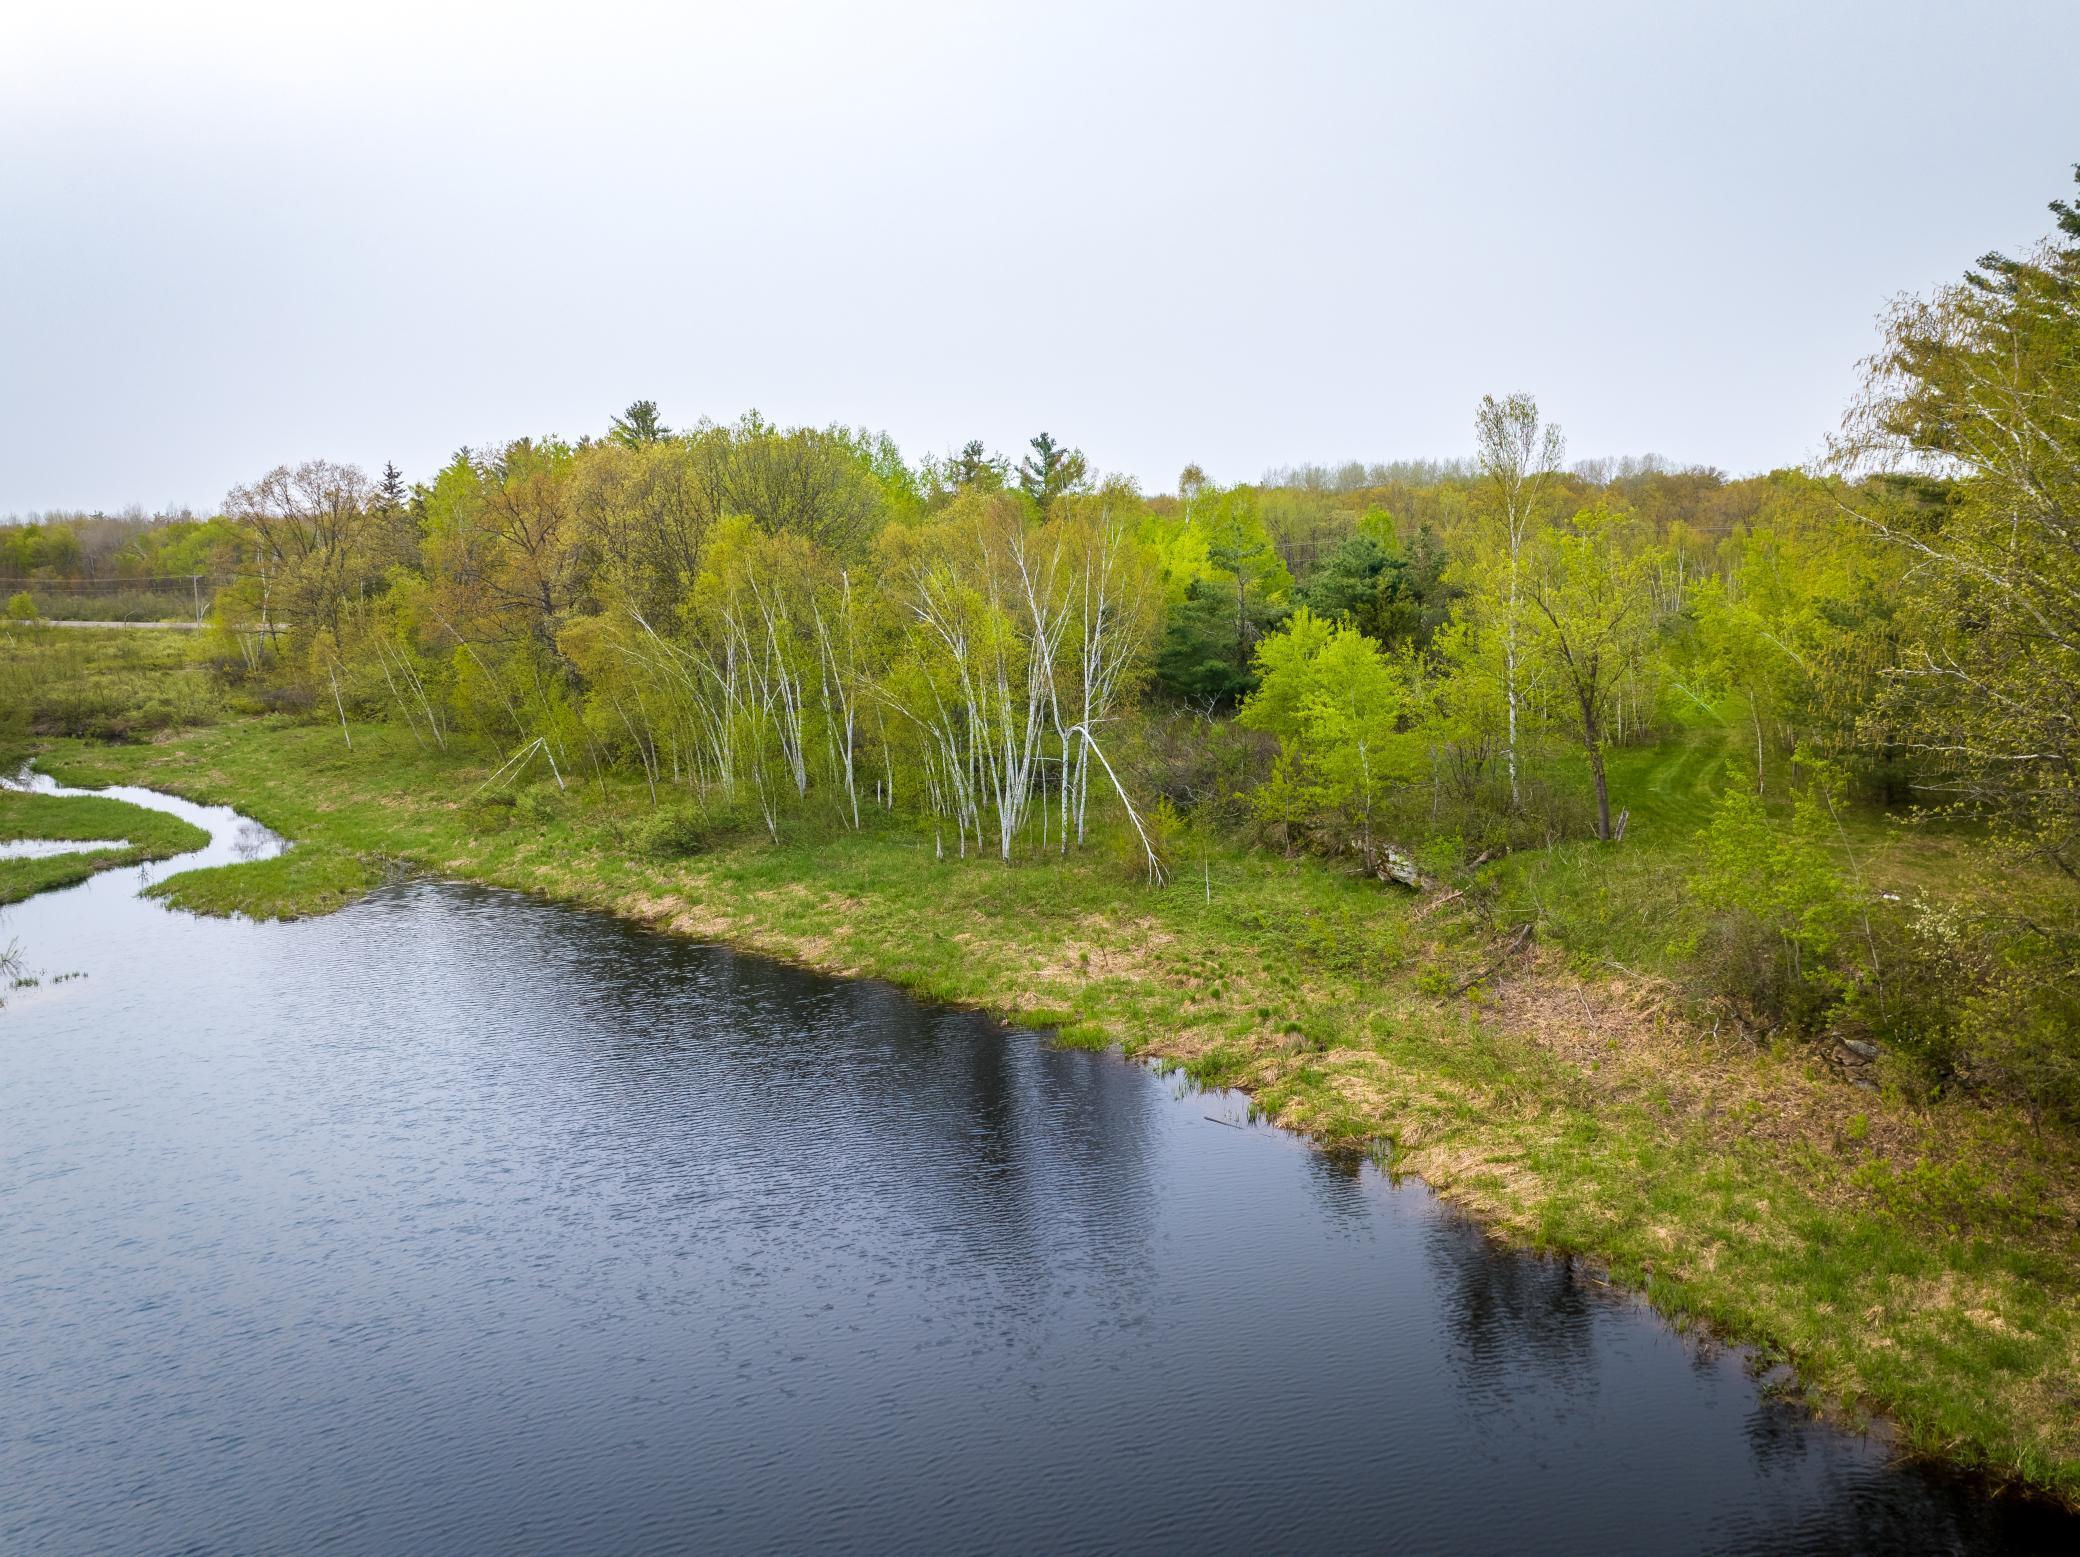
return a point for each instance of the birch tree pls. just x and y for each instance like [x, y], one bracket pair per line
[1519, 462]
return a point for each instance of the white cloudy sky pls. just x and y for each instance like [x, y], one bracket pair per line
[234, 235]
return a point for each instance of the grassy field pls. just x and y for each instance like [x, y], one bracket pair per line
[112, 684]
[143, 835]
[1910, 1259]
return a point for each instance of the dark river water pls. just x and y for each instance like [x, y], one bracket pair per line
[458, 1221]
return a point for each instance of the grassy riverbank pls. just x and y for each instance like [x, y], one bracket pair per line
[1919, 1260]
[135, 833]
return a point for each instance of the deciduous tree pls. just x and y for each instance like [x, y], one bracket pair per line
[1519, 460]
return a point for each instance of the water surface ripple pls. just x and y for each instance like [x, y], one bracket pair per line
[458, 1221]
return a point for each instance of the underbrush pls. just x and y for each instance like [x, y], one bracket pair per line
[1800, 915]
[682, 830]
[113, 685]
[119, 605]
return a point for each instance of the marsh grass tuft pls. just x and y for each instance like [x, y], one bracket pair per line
[305, 880]
[146, 835]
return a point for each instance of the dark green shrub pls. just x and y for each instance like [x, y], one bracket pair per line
[488, 813]
[540, 804]
[674, 834]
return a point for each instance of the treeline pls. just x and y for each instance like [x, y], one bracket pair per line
[756, 615]
[124, 567]
[62, 548]
[783, 621]
[792, 624]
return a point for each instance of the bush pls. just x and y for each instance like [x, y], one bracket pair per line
[674, 834]
[1976, 996]
[1774, 939]
[1204, 766]
[1165, 828]
[1480, 816]
[1740, 957]
[296, 701]
[1975, 992]
[488, 813]
[1334, 700]
[540, 804]
[123, 605]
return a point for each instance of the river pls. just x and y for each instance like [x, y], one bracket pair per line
[458, 1220]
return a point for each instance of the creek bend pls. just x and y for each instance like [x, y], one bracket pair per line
[462, 1220]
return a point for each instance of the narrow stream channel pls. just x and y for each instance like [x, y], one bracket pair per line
[458, 1220]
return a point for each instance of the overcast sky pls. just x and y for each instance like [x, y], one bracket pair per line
[1249, 235]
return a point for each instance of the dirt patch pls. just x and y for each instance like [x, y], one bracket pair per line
[674, 914]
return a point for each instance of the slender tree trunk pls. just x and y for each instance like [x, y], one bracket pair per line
[1509, 666]
[1241, 623]
[345, 734]
[1603, 789]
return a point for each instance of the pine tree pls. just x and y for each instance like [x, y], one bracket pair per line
[976, 468]
[1050, 470]
[638, 425]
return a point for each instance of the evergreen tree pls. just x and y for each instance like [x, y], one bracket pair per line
[976, 469]
[1981, 384]
[1050, 470]
[638, 425]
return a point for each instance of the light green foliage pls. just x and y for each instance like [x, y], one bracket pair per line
[1592, 629]
[1227, 586]
[1793, 624]
[127, 568]
[1981, 381]
[1334, 700]
[1781, 909]
[114, 685]
[674, 834]
[1979, 1003]
[21, 607]
[1466, 715]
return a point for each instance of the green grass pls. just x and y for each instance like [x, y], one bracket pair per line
[146, 835]
[1625, 907]
[312, 878]
[109, 684]
[21, 879]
